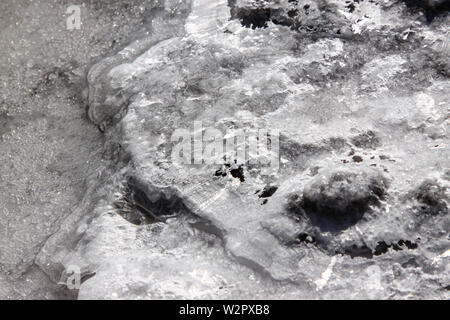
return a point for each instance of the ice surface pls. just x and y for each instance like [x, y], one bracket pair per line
[360, 97]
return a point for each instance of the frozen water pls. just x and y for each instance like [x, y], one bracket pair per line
[360, 97]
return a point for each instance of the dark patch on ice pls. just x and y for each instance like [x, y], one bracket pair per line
[220, 173]
[358, 251]
[305, 238]
[144, 204]
[253, 17]
[432, 196]
[86, 276]
[381, 248]
[238, 173]
[292, 13]
[338, 201]
[306, 8]
[351, 7]
[431, 9]
[367, 140]
[430, 193]
[258, 16]
[268, 191]
[278, 16]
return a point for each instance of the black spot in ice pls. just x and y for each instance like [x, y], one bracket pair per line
[238, 173]
[268, 191]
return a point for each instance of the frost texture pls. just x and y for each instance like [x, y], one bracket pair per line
[360, 93]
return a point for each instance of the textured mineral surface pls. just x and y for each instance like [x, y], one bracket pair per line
[350, 200]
